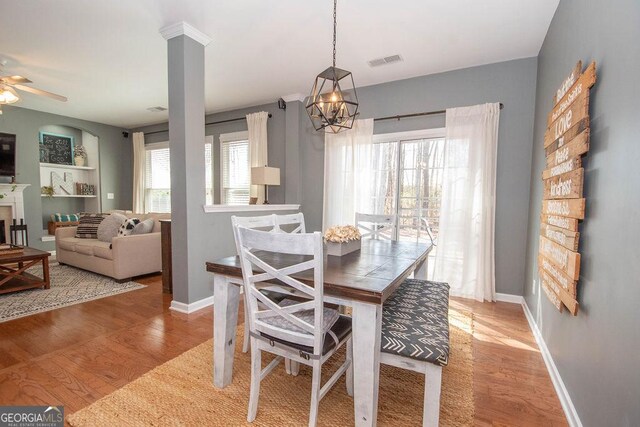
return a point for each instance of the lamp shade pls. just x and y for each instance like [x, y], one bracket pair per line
[264, 175]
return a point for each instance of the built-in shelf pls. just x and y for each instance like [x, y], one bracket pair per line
[58, 166]
[70, 195]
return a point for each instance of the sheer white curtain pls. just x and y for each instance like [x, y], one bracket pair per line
[465, 254]
[347, 173]
[139, 169]
[257, 127]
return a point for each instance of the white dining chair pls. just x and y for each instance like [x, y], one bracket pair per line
[272, 223]
[304, 331]
[294, 221]
[379, 227]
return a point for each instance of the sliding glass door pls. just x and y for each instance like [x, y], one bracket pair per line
[407, 181]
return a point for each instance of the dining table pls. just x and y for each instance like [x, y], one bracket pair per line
[362, 280]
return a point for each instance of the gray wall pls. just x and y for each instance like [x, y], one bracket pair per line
[597, 352]
[115, 163]
[276, 128]
[512, 83]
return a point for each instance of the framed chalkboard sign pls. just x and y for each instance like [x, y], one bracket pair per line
[58, 147]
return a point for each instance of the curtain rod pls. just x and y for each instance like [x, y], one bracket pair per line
[219, 122]
[427, 113]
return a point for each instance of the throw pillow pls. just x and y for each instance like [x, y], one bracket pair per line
[58, 217]
[88, 225]
[144, 227]
[127, 226]
[108, 229]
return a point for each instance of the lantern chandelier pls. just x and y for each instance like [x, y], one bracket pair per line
[333, 103]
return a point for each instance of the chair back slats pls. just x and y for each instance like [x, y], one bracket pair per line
[376, 226]
[296, 220]
[285, 243]
[270, 318]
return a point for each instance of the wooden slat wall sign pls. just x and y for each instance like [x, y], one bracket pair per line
[568, 166]
[568, 239]
[566, 140]
[566, 260]
[578, 111]
[567, 283]
[565, 186]
[567, 83]
[584, 83]
[548, 282]
[560, 221]
[572, 133]
[575, 147]
[555, 300]
[572, 208]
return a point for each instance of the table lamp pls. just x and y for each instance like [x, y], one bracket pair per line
[265, 175]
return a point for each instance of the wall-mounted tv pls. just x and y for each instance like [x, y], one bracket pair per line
[7, 154]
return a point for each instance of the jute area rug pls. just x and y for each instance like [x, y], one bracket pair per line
[69, 285]
[180, 393]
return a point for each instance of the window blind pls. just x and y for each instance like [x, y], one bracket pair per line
[158, 180]
[235, 181]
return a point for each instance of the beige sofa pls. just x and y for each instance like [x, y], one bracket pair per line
[124, 258]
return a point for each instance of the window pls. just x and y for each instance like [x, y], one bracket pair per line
[407, 181]
[157, 178]
[235, 168]
[208, 171]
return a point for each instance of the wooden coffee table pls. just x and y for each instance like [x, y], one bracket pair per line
[13, 270]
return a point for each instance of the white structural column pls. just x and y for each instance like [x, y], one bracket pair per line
[185, 48]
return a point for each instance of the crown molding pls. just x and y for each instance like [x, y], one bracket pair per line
[294, 97]
[182, 28]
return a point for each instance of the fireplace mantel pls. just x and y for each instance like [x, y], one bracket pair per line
[13, 197]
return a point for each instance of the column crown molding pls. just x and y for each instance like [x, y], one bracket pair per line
[294, 97]
[182, 28]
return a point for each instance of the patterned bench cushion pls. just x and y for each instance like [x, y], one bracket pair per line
[415, 321]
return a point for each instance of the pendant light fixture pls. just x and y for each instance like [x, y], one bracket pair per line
[333, 103]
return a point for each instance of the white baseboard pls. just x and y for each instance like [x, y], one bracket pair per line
[515, 299]
[565, 400]
[190, 308]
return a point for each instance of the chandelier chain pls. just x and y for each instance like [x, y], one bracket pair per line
[335, 6]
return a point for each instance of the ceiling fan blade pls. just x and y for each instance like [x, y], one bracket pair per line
[13, 80]
[41, 92]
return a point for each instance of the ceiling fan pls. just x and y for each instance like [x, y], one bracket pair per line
[9, 84]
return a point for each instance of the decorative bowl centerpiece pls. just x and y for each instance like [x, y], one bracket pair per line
[342, 239]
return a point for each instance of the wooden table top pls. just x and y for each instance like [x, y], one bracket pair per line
[28, 254]
[370, 274]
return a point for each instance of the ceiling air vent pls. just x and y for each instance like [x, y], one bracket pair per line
[156, 109]
[386, 60]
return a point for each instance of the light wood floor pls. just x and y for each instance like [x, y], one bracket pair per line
[75, 355]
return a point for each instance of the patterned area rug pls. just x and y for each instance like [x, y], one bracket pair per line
[69, 286]
[180, 392]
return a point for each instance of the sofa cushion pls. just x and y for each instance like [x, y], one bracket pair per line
[69, 243]
[415, 322]
[109, 227]
[102, 250]
[88, 225]
[85, 247]
[127, 227]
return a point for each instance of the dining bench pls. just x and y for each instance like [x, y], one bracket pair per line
[415, 336]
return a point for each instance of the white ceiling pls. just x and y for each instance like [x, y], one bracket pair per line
[109, 59]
